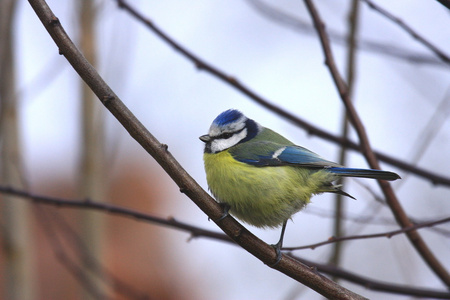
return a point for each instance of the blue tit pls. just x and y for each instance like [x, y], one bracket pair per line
[262, 178]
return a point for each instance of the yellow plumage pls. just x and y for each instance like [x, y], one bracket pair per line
[262, 196]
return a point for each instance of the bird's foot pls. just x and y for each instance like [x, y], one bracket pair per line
[277, 248]
[226, 208]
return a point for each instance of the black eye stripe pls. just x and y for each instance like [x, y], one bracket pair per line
[227, 135]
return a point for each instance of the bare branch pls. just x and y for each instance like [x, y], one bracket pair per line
[114, 209]
[446, 3]
[353, 26]
[369, 219]
[441, 54]
[397, 209]
[388, 235]
[291, 21]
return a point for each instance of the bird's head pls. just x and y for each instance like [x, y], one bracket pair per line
[229, 129]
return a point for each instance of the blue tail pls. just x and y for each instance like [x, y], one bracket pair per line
[365, 173]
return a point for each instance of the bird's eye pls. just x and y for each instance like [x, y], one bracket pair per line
[226, 135]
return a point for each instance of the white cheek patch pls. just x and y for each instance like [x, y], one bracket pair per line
[218, 145]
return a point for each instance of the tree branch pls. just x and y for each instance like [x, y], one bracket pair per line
[398, 211]
[115, 209]
[443, 56]
[446, 3]
[388, 235]
[299, 25]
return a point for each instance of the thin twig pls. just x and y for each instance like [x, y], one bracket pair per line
[446, 3]
[427, 134]
[441, 54]
[310, 128]
[299, 25]
[352, 43]
[369, 218]
[114, 209]
[396, 208]
[388, 235]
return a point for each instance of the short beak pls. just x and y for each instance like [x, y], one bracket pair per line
[205, 138]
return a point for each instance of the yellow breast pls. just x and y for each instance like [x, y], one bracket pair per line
[261, 196]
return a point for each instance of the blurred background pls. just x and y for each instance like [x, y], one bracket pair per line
[58, 141]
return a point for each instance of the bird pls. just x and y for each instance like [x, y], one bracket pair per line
[262, 178]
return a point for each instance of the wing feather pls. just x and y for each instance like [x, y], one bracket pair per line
[264, 153]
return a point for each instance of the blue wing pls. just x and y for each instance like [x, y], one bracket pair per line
[301, 156]
[273, 154]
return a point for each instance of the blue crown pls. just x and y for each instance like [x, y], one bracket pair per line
[227, 117]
